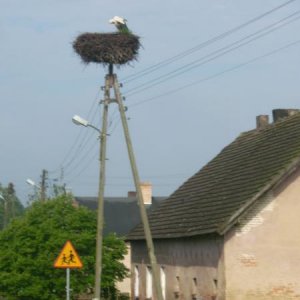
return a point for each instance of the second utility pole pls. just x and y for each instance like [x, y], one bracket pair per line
[144, 217]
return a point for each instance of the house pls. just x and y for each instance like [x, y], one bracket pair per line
[231, 231]
[121, 215]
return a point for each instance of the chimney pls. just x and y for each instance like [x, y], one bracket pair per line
[147, 192]
[131, 194]
[262, 121]
[146, 188]
[279, 114]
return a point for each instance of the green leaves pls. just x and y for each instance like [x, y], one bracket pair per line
[30, 244]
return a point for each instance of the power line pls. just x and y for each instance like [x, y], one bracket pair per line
[217, 74]
[224, 50]
[79, 140]
[201, 45]
[92, 159]
[84, 155]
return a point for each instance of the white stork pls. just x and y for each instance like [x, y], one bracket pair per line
[120, 23]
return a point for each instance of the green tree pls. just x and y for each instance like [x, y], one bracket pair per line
[31, 243]
[10, 205]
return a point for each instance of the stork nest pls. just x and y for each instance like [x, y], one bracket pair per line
[107, 48]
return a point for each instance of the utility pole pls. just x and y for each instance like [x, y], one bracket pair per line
[43, 184]
[111, 81]
[11, 196]
[143, 212]
[100, 211]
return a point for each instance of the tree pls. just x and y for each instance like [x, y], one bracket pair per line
[10, 205]
[30, 245]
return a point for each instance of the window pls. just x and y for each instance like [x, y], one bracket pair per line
[177, 288]
[136, 282]
[163, 281]
[148, 283]
[194, 291]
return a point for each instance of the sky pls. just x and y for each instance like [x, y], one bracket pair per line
[217, 65]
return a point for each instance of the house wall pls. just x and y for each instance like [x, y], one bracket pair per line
[262, 253]
[189, 266]
[124, 286]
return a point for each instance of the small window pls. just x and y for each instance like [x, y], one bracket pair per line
[195, 281]
[216, 284]
[148, 283]
[177, 288]
[194, 289]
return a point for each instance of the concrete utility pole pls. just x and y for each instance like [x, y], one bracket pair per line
[143, 212]
[100, 212]
[111, 81]
[44, 178]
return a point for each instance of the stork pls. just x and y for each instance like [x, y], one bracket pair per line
[120, 23]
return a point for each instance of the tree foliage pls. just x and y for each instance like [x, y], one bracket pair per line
[30, 245]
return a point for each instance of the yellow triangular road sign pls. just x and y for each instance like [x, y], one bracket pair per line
[68, 258]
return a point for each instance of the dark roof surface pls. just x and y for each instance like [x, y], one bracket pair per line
[208, 200]
[121, 214]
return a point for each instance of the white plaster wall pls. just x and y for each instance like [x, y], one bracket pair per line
[124, 286]
[262, 254]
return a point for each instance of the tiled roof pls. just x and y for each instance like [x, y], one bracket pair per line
[121, 214]
[213, 198]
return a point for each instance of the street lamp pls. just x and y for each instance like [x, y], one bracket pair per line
[38, 187]
[80, 121]
[31, 182]
[100, 212]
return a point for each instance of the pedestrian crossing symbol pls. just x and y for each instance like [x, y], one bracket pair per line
[68, 258]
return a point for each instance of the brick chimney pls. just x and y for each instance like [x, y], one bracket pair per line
[146, 188]
[262, 121]
[279, 114]
[147, 192]
[131, 194]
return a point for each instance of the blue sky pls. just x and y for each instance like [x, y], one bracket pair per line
[43, 84]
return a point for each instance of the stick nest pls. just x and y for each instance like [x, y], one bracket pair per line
[107, 48]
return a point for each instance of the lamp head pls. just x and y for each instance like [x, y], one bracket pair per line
[30, 182]
[79, 121]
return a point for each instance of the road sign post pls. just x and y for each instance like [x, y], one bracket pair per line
[68, 259]
[68, 283]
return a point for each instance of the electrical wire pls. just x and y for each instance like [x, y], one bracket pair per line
[187, 52]
[78, 142]
[224, 50]
[172, 59]
[216, 75]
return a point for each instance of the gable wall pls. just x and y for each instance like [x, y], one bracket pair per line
[190, 267]
[262, 254]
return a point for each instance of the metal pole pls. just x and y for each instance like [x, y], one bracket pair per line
[144, 217]
[100, 212]
[68, 283]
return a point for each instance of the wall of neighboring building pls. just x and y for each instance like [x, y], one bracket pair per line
[262, 254]
[188, 268]
[124, 286]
